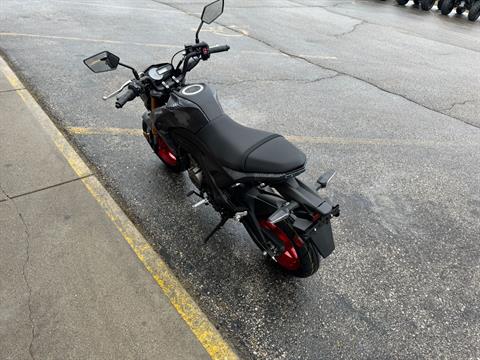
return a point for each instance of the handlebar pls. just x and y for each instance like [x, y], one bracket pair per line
[198, 51]
[129, 95]
[219, 48]
[202, 51]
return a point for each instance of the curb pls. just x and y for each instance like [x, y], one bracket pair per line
[190, 312]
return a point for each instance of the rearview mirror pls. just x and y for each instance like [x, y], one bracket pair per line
[212, 11]
[101, 62]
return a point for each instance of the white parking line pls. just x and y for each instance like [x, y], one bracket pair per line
[74, 38]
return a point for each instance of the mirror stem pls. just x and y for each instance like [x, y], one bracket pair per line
[198, 30]
[131, 68]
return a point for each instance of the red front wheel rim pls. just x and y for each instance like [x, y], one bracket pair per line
[166, 153]
[289, 258]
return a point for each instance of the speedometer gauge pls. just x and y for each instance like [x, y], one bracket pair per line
[160, 72]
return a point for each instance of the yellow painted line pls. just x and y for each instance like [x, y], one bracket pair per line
[73, 38]
[104, 131]
[364, 141]
[199, 324]
[292, 138]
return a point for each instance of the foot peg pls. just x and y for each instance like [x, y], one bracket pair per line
[201, 202]
[325, 179]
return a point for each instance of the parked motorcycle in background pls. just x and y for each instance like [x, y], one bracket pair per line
[245, 174]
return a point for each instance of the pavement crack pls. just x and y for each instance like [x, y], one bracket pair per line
[50, 187]
[354, 28]
[330, 8]
[339, 72]
[324, 67]
[10, 90]
[25, 264]
[24, 273]
[302, 81]
[450, 108]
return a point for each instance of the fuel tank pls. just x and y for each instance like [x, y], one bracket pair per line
[191, 107]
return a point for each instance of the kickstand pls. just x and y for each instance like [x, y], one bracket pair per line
[218, 227]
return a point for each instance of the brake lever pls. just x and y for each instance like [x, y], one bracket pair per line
[117, 91]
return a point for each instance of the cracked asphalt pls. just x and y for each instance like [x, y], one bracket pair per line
[386, 95]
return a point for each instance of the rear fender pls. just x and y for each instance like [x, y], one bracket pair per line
[261, 206]
[314, 227]
[294, 189]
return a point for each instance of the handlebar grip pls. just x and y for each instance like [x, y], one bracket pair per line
[129, 95]
[219, 48]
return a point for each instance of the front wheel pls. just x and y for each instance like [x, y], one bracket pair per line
[165, 152]
[474, 11]
[299, 258]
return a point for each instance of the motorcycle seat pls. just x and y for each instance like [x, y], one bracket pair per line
[250, 150]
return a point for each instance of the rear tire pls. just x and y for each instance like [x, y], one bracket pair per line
[474, 12]
[447, 6]
[307, 259]
[427, 4]
[402, 2]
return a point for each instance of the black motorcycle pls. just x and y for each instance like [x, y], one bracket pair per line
[245, 174]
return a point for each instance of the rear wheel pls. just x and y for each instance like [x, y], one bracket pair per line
[299, 258]
[474, 11]
[447, 6]
[427, 4]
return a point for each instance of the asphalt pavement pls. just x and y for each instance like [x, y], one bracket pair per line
[384, 94]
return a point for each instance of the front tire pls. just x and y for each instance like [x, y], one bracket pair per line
[166, 153]
[300, 258]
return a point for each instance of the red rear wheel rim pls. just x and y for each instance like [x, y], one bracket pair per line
[166, 153]
[289, 258]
